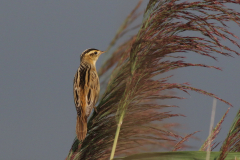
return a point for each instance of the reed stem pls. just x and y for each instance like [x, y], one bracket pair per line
[116, 136]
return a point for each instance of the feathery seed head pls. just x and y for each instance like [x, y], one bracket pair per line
[91, 55]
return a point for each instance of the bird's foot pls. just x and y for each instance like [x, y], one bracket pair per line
[95, 109]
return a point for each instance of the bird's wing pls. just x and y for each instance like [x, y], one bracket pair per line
[92, 92]
[78, 94]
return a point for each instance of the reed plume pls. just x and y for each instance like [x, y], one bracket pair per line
[129, 103]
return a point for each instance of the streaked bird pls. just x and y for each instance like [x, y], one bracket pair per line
[86, 89]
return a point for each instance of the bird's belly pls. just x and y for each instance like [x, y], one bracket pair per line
[88, 110]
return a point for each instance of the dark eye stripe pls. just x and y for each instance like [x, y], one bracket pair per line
[87, 51]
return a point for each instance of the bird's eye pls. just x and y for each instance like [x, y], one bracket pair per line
[95, 52]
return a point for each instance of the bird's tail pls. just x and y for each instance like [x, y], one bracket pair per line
[81, 128]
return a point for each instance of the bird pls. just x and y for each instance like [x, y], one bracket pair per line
[86, 89]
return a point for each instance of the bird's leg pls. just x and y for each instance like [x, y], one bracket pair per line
[95, 109]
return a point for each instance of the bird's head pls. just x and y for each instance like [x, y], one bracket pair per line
[91, 55]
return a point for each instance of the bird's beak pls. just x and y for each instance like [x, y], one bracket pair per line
[102, 52]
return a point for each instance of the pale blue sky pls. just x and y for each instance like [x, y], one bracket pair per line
[40, 46]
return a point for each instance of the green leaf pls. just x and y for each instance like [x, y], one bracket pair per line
[181, 155]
